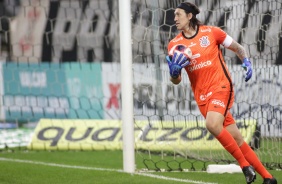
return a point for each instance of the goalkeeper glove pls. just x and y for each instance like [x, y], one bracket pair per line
[176, 63]
[247, 65]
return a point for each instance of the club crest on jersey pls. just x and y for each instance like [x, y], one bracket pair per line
[204, 41]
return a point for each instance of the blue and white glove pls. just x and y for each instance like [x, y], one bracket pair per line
[176, 63]
[247, 65]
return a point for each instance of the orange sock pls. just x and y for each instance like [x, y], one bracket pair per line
[229, 143]
[252, 158]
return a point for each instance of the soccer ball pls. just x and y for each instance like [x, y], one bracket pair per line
[182, 49]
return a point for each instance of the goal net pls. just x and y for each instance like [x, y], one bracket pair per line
[176, 130]
[60, 60]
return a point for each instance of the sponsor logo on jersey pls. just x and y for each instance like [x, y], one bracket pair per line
[204, 41]
[206, 30]
[219, 103]
[200, 65]
[192, 44]
[177, 39]
[204, 97]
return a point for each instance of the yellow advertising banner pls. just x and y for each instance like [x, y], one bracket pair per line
[66, 134]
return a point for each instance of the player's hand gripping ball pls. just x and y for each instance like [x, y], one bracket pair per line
[182, 49]
[178, 58]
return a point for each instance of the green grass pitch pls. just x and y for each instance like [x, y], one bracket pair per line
[91, 167]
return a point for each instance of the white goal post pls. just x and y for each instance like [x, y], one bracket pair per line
[126, 85]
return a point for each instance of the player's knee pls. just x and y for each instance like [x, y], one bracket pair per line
[214, 127]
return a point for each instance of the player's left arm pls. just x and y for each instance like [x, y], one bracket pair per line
[227, 41]
[242, 54]
[239, 50]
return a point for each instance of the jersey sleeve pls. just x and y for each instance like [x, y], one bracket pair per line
[221, 37]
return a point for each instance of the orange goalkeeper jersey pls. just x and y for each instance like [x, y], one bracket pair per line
[207, 70]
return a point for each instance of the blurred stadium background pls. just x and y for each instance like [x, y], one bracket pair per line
[60, 63]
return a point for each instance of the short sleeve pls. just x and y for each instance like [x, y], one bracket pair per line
[221, 37]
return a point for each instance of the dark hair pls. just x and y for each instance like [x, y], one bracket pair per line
[191, 8]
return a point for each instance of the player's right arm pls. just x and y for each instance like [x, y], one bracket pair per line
[175, 65]
[176, 60]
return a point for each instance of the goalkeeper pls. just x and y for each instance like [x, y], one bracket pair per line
[197, 49]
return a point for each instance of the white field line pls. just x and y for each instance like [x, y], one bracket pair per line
[102, 169]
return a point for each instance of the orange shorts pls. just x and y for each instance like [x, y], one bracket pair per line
[220, 102]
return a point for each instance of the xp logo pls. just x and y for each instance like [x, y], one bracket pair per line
[204, 97]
